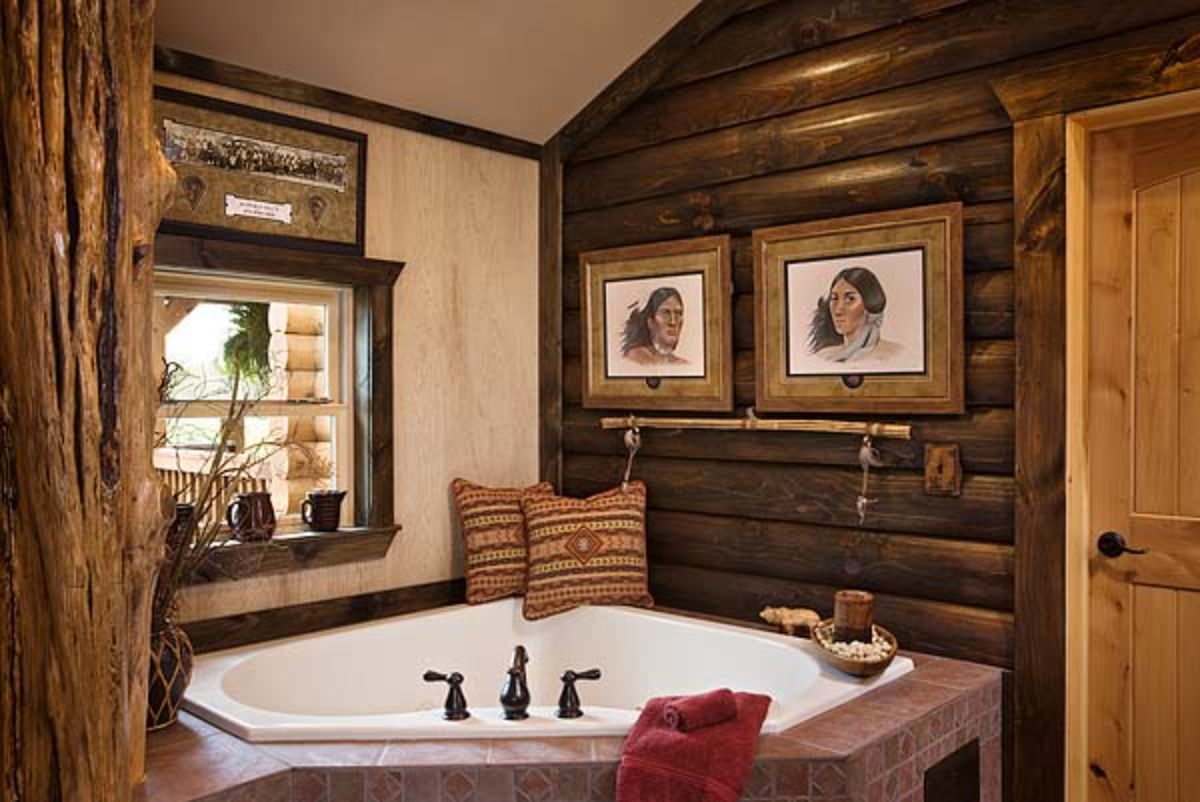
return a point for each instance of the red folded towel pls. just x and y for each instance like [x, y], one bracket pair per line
[702, 710]
[662, 764]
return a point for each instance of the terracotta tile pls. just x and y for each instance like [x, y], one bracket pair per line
[956, 674]
[910, 698]
[422, 785]
[310, 785]
[791, 778]
[434, 753]
[326, 754]
[827, 780]
[494, 785]
[760, 782]
[602, 784]
[192, 768]
[533, 785]
[780, 747]
[539, 751]
[458, 785]
[187, 729]
[345, 785]
[607, 748]
[846, 730]
[271, 789]
[570, 783]
[382, 785]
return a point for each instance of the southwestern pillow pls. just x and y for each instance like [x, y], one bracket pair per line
[586, 551]
[493, 531]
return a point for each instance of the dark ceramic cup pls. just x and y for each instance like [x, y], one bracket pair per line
[251, 516]
[322, 509]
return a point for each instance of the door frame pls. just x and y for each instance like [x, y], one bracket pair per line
[1079, 536]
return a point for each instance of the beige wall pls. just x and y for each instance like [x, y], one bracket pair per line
[465, 221]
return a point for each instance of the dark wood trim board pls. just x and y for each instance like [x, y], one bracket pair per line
[213, 634]
[1039, 649]
[550, 314]
[202, 68]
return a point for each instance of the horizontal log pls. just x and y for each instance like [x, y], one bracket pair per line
[1153, 61]
[972, 170]
[950, 108]
[809, 494]
[990, 369]
[213, 634]
[782, 29]
[961, 572]
[984, 436]
[950, 630]
[974, 35]
[987, 245]
[988, 313]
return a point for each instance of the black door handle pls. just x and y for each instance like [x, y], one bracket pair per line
[1112, 544]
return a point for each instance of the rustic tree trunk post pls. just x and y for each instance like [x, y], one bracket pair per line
[82, 188]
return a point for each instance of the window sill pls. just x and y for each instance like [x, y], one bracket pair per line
[295, 551]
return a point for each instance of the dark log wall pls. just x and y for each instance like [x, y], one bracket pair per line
[808, 109]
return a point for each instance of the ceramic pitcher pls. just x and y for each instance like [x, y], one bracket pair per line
[251, 516]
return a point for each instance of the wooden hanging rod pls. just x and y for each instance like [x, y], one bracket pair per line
[897, 431]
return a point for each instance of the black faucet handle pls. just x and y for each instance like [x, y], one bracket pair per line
[591, 673]
[568, 700]
[456, 701]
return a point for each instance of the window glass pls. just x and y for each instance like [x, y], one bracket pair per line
[253, 387]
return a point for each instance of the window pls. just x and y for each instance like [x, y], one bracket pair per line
[262, 370]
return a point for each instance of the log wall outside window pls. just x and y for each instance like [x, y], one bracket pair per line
[810, 109]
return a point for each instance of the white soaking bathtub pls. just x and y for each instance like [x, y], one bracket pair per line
[364, 682]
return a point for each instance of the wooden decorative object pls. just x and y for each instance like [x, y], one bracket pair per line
[658, 326]
[823, 636]
[861, 314]
[943, 470]
[853, 611]
[253, 175]
[82, 518]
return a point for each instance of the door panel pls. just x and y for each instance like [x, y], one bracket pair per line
[1155, 696]
[1156, 348]
[1142, 425]
[1189, 341]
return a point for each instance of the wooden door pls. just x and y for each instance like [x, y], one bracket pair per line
[1143, 462]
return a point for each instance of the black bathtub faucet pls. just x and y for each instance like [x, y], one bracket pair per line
[456, 702]
[514, 696]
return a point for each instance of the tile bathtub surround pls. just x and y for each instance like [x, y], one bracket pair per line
[874, 749]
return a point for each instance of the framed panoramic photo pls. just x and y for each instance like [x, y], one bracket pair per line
[861, 314]
[253, 175]
[657, 331]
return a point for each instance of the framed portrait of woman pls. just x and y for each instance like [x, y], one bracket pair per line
[657, 331]
[861, 314]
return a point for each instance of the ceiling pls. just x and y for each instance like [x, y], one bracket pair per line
[518, 67]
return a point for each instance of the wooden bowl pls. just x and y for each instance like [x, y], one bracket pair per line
[823, 632]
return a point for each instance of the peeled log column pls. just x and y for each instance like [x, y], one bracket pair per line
[82, 188]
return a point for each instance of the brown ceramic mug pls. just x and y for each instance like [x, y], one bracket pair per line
[251, 516]
[322, 509]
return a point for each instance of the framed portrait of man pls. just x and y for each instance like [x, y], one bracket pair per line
[657, 330]
[861, 314]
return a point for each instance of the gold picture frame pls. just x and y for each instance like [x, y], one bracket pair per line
[657, 326]
[861, 314]
[252, 175]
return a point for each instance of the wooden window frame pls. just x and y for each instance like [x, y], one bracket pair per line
[370, 282]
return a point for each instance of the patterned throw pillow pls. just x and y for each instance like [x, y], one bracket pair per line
[493, 530]
[586, 551]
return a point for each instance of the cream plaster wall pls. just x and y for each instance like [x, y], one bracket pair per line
[465, 221]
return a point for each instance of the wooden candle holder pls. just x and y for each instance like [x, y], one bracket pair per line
[852, 613]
